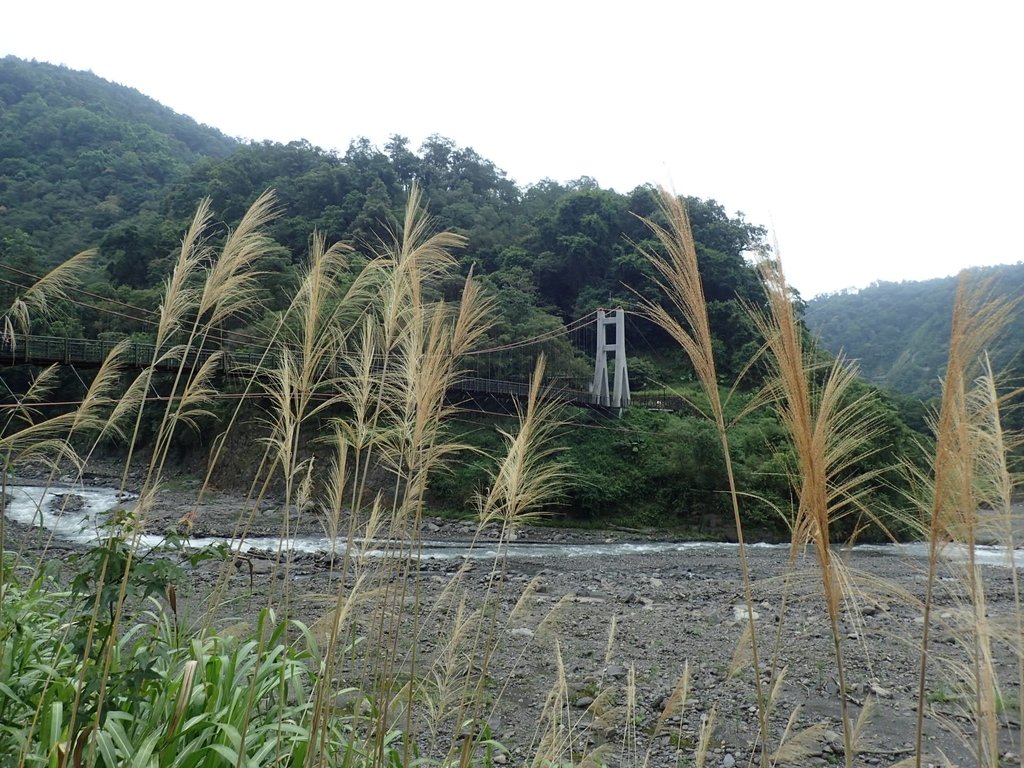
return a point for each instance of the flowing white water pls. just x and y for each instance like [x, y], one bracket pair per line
[39, 505]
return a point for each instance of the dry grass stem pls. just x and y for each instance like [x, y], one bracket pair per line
[42, 297]
[681, 284]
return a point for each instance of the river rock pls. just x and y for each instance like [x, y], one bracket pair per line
[615, 670]
[880, 692]
[739, 614]
[833, 741]
[67, 502]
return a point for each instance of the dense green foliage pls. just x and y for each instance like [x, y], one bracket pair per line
[86, 163]
[171, 698]
[79, 154]
[660, 469]
[900, 331]
[551, 252]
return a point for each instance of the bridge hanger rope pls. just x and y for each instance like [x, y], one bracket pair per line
[236, 335]
[575, 325]
[570, 327]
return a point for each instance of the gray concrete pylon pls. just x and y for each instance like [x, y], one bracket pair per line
[616, 396]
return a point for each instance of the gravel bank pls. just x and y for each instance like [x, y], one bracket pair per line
[668, 610]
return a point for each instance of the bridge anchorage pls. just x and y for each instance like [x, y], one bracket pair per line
[611, 324]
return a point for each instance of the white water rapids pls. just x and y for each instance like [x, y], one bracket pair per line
[33, 505]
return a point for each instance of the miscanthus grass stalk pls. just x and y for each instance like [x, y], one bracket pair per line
[24, 435]
[41, 299]
[226, 282]
[830, 431]
[967, 470]
[687, 323]
[998, 495]
[398, 358]
[527, 477]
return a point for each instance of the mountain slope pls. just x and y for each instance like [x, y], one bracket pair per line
[900, 331]
[78, 154]
[86, 163]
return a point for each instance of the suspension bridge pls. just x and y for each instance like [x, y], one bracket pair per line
[586, 362]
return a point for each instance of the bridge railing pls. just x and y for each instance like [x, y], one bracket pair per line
[21, 348]
[569, 389]
[53, 349]
[32, 349]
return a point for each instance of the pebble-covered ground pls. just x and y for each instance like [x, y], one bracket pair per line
[622, 629]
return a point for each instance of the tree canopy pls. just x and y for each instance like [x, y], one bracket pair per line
[86, 163]
[900, 331]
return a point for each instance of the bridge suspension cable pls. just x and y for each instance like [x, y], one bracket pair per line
[244, 337]
[76, 289]
[588, 334]
[88, 306]
[236, 335]
[565, 330]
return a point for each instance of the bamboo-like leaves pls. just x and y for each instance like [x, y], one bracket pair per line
[180, 296]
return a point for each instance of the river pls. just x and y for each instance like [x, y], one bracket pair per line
[35, 505]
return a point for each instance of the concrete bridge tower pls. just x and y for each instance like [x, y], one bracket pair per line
[611, 324]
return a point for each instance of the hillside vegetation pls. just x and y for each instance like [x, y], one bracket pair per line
[91, 164]
[899, 332]
[79, 154]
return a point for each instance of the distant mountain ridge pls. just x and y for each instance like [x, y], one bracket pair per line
[899, 332]
[79, 153]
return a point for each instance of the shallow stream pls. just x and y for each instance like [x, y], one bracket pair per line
[34, 505]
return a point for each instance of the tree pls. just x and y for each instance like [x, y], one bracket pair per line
[405, 163]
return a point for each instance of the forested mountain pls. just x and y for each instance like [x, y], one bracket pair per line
[78, 154]
[900, 331]
[84, 163]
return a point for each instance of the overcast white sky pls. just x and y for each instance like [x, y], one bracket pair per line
[881, 140]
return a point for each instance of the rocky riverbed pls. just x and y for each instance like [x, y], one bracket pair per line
[622, 629]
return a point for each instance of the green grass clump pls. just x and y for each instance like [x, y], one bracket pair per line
[172, 699]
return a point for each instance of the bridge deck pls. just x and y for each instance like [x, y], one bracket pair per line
[88, 353]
